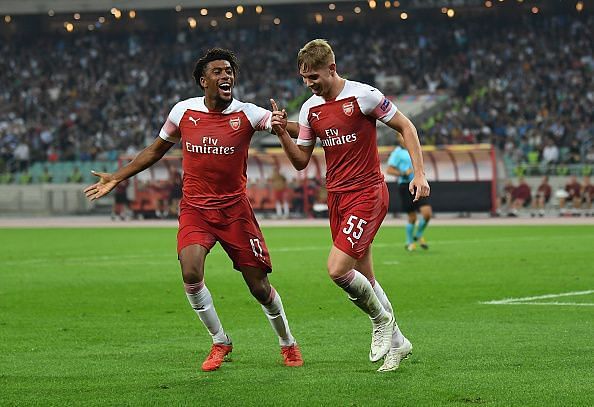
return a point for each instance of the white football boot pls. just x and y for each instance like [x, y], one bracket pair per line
[381, 339]
[395, 356]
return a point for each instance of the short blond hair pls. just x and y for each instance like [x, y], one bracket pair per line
[315, 54]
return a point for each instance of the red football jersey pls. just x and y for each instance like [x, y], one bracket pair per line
[214, 149]
[346, 127]
[573, 188]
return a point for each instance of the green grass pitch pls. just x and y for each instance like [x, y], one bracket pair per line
[99, 317]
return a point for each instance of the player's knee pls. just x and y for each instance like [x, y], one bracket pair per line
[260, 291]
[335, 272]
[191, 271]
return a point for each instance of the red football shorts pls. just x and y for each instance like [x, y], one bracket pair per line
[235, 227]
[355, 217]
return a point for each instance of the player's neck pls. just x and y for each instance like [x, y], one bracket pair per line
[336, 88]
[215, 104]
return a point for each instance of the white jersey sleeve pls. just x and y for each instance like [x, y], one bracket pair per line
[306, 136]
[170, 130]
[259, 117]
[373, 103]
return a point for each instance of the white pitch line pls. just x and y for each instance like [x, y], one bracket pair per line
[528, 300]
[575, 304]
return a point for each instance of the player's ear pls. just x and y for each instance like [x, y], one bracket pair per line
[202, 81]
[332, 68]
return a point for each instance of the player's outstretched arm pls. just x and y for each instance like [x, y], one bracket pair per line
[142, 161]
[419, 185]
[298, 155]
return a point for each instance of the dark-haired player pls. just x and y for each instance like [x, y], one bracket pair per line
[215, 133]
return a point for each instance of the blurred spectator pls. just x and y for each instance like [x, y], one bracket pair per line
[550, 153]
[75, 176]
[521, 197]
[280, 193]
[121, 203]
[6, 178]
[320, 206]
[574, 195]
[46, 176]
[25, 177]
[542, 197]
[587, 195]
[505, 200]
[175, 192]
[22, 155]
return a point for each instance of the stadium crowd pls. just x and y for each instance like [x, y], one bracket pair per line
[525, 85]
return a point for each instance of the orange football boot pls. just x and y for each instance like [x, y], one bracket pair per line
[216, 356]
[292, 355]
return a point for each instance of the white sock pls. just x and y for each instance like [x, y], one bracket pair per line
[381, 296]
[278, 320]
[360, 292]
[397, 337]
[201, 301]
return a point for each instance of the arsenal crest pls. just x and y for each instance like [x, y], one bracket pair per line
[348, 108]
[235, 123]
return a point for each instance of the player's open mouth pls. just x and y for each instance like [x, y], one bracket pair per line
[226, 88]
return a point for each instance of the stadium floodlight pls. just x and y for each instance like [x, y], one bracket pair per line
[579, 6]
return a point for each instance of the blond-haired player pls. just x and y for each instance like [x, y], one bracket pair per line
[343, 115]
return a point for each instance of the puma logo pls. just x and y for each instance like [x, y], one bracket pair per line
[316, 115]
[195, 121]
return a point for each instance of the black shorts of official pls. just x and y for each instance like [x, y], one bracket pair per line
[407, 199]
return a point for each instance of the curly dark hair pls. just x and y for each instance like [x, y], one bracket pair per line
[214, 54]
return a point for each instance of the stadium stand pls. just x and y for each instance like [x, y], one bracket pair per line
[519, 80]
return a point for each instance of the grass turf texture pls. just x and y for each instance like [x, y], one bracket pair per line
[99, 317]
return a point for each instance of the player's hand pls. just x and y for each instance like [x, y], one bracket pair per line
[102, 187]
[419, 187]
[279, 118]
